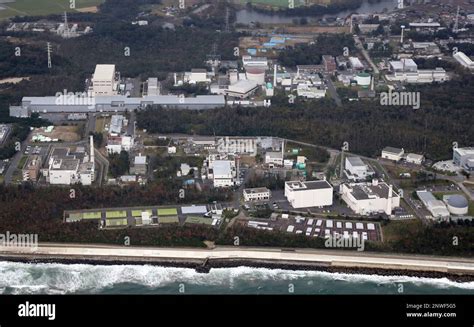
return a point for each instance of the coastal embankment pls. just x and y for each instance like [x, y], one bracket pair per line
[458, 269]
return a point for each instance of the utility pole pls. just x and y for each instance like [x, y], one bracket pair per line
[49, 54]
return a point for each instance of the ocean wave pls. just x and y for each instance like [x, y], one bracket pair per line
[53, 278]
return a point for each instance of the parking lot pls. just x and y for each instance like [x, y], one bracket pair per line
[319, 227]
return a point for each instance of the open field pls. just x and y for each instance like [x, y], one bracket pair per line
[43, 7]
[64, 133]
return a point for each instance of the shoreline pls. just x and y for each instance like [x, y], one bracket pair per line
[222, 263]
[455, 269]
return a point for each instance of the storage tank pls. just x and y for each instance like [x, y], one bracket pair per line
[363, 79]
[457, 204]
[256, 74]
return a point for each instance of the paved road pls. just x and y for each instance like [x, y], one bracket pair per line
[14, 163]
[366, 55]
[332, 91]
[328, 257]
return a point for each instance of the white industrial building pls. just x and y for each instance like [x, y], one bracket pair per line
[436, 207]
[241, 89]
[223, 173]
[464, 158]
[117, 144]
[406, 70]
[356, 170]
[370, 198]
[116, 124]
[414, 158]
[394, 154]
[309, 194]
[464, 60]
[310, 91]
[256, 194]
[104, 80]
[197, 75]
[274, 158]
[249, 61]
[65, 168]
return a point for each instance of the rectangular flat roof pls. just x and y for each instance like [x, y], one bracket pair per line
[355, 161]
[309, 185]
[365, 191]
[256, 190]
[390, 149]
[104, 72]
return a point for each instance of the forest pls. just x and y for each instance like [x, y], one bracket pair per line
[431, 130]
[311, 54]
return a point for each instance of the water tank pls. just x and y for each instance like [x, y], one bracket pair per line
[457, 204]
[256, 74]
[363, 79]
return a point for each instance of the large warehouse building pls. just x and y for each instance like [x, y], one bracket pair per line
[78, 104]
[370, 198]
[309, 194]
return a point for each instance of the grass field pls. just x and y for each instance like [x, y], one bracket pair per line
[198, 220]
[115, 222]
[42, 7]
[167, 212]
[168, 220]
[138, 213]
[116, 214]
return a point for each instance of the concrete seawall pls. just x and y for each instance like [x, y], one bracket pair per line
[460, 269]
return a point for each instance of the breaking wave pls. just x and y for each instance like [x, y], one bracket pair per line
[52, 278]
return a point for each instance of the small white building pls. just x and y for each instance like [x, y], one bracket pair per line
[436, 207]
[394, 154]
[309, 194]
[415, 158]
[356, 170]
[464, 158]
[370, 198]
[258, 194]
[274, 158]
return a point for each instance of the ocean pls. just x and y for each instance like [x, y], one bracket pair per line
[52, 278]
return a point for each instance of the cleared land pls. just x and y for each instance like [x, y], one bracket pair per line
[42, 7]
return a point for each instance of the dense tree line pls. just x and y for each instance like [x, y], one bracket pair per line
[432, 240]
[311, 54]
[28, 209]
[314, 10]
[366, 125]
[119, 163]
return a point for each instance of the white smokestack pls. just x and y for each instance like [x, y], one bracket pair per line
[175, 82]
[389, 200]
[274, 75]
[91, 139]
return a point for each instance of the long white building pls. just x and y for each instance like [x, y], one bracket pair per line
[464, 60]
[256, 194]
[370, 198]
[309, 194]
